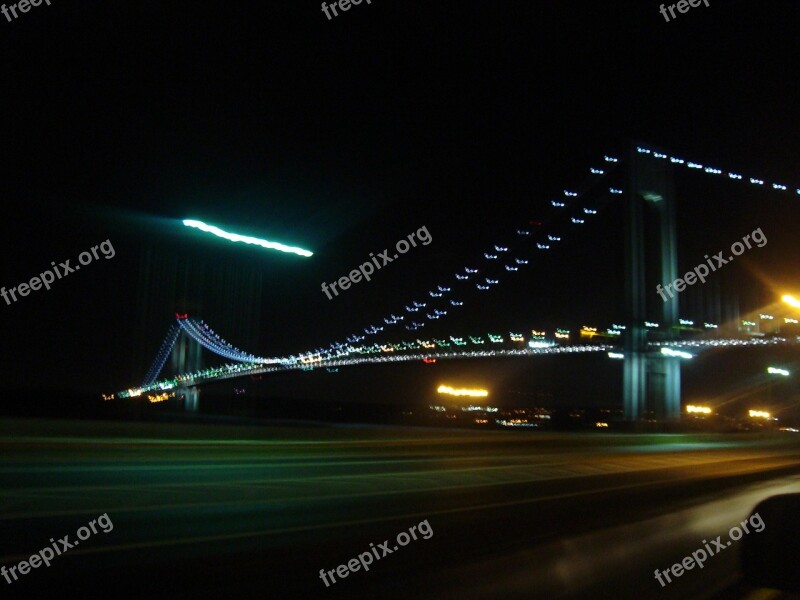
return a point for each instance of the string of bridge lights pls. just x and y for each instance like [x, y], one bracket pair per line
[778, 187]
[539, 339]
[253, 368]
[425, 314]
[435, 348]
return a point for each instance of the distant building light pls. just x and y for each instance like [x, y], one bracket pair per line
[777, 371]
[475, 393]
[759, 414]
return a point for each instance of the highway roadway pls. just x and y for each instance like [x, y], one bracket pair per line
[204, 511]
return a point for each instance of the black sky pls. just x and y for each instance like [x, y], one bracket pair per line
[343, 136]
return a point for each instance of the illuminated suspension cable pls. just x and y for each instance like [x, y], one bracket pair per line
[494, 253]
[161, 355]
[215, 344]
[710, 170]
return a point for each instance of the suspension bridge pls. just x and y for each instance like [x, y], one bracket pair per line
[651, 351]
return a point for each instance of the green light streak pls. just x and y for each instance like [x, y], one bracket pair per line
[235, 237]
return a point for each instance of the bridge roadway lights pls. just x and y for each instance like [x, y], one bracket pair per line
[649, 381]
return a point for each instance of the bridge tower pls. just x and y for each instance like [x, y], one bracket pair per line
[186, 359]
[650, 379]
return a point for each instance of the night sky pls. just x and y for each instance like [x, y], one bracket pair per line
[343, 136]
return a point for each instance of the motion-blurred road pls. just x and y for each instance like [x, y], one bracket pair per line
[256, 512]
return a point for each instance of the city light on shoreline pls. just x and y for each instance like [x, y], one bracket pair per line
[473, 393]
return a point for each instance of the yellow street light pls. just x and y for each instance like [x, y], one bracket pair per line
[791, 301]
